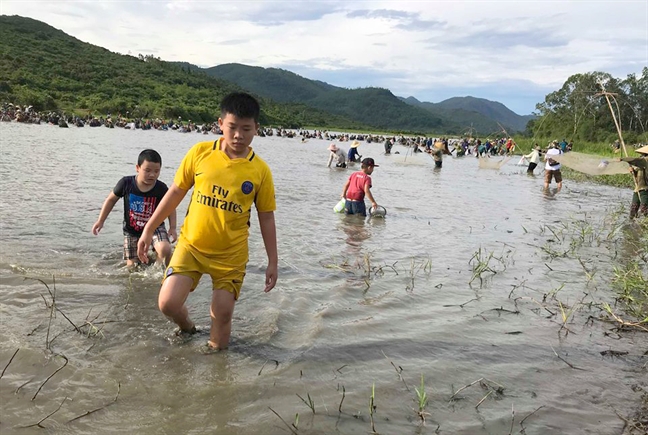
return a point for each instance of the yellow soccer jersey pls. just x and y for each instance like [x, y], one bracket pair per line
[218, 216]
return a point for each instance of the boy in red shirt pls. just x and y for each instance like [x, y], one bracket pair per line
[357, 187]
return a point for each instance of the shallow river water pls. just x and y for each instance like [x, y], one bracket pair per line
[359, 305]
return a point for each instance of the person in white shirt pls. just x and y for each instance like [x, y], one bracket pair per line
[336, 153]
[552, 167]
[533, 158]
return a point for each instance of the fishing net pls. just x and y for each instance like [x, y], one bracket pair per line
[592, 165]
[488, 163]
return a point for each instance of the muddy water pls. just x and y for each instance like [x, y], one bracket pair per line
[357, 301]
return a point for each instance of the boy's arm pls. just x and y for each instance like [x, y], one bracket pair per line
[368, 194]
[635, 161]
[345, 188]
[173, 232]
[269, 234]
[106, 208]
[169, 203]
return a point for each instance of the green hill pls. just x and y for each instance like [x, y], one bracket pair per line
[44, 67]
[491, 109]
[275, 83]
[380, 108]
[376, 107]
[469, 121]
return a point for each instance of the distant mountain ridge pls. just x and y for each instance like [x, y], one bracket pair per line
[491, 109]
[271, 82]
[372, 106]
[44, 67]
[48, 69]
[482, 115]
[456, 115]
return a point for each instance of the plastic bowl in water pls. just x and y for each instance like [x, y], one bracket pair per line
[379, 211]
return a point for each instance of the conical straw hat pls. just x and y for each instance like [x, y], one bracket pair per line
[642, 150]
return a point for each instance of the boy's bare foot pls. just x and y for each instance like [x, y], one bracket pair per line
[209, 348]
[182, 332]
[215, 346]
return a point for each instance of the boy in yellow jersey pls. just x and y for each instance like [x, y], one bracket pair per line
[227, 178]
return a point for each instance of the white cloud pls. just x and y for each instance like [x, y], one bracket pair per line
[425, 49]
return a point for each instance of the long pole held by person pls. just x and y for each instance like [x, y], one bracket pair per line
[616, 123]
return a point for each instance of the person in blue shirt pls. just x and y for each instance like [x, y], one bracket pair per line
[353, 155]
[563, 145]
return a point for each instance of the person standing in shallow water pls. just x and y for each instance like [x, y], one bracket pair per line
[227, 178]
[534, 158]
[552, 167]
[639, 171]
[388, 146]
[142, 193]
[357, 187]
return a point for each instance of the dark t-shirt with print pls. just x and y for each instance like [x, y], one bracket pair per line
[138, 205]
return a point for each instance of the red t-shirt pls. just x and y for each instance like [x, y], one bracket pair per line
[357, 182]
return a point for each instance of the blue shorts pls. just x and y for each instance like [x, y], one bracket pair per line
[355, 207]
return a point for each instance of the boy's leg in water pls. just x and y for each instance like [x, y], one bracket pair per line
[130, 252]
[221, 310]
[162, 246]
[171, 301]
[163, 251]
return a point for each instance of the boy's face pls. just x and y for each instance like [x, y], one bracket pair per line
[237, 133]
[148, 173]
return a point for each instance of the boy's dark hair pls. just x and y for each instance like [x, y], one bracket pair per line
[149, 156]
[241, 105]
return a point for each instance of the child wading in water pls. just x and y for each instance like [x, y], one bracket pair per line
[357, 187]
[142, 193]
[227, 178]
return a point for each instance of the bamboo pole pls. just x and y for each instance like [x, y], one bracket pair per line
[606, 94]
[616, 123]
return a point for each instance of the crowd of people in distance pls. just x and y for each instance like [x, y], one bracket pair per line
[28, 115]
[436, 147]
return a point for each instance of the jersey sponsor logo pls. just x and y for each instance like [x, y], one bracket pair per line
[218, 199]
[247, 187]
[169, 271]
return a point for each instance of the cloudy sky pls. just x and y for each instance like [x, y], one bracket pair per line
[514, 51]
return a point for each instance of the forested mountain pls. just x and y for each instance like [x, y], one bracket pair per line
[46, 68]
[456, 115]
[373, 106]
[275, 83]
[491, 109]
[471, 121]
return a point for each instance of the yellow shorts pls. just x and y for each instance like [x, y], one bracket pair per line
[189, 262]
